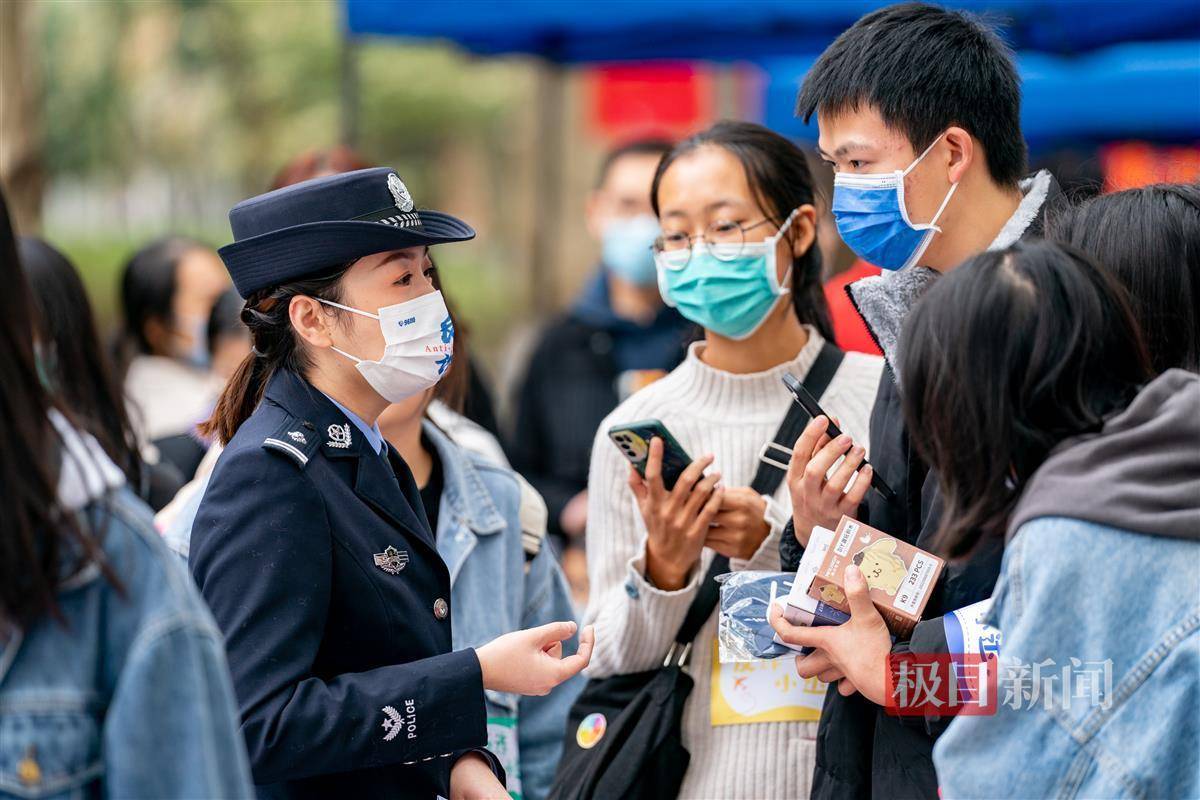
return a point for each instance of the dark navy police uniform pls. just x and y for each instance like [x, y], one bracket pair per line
[313, 551]
[314, 554]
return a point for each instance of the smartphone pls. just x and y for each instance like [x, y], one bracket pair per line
[806, 401]
[633, 440]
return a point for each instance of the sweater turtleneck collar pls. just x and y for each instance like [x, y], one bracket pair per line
[714, 390]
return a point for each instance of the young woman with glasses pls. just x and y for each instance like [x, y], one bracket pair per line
[737, 256]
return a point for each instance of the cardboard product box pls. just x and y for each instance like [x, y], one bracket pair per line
[901, 577]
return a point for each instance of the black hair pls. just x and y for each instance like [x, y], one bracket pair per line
[276, 346]
[148, 284]
[1150, 239]
[71, 359]
[638, 147]
[781, 181]
[41, 541]
[225, 319]
[924, 69]
[1003, 358]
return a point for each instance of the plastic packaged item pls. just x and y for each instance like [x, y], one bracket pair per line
[744, 631]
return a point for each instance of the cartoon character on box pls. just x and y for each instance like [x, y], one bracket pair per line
[832, 595]
[880, 565]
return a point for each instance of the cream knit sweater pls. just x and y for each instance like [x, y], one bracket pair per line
[731, 416]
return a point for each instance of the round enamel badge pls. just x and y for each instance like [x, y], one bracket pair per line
[591, 731]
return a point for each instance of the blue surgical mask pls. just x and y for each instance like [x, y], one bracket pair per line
[873, 220]
[626, 248]
[730, 297]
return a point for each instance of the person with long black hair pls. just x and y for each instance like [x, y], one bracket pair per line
[113, 680]
[1050, 433]
[311, 544]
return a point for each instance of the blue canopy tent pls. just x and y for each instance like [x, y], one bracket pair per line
[1104, 92]
[639, 30]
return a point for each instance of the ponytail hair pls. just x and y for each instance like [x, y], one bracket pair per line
[275, 346]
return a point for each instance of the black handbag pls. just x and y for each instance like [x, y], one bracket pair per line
[633, 723]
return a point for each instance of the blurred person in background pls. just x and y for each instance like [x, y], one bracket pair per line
[1149, 238]
[919, 114]
[490, 528]
[113, 681]
[1052, 437]
[227, 336]
[737, 256]
[75, 368]
[228, 341]
[168, 290]
[617, 338]
[475, 397]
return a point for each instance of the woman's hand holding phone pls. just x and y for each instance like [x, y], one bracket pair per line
[677, 521]
[816, 498]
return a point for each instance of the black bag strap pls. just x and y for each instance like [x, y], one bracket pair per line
[766, 480]
[820, 375]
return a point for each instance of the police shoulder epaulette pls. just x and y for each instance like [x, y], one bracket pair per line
[533, 515]
[295, 439]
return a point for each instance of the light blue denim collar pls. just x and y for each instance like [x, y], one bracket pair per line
[463, 492]
[372, 432]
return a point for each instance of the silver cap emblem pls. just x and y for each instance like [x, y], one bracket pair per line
[400, 194]
[391, 560]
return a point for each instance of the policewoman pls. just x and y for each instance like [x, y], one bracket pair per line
[311, 546]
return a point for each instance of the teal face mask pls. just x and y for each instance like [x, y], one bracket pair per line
[727, 289]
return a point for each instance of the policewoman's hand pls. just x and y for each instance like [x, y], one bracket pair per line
[739, 527]
[854, 653]
[816, 498]
[677, 520]
[530, 662]
[471, 778]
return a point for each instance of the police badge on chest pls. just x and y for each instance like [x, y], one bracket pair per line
[391, 560]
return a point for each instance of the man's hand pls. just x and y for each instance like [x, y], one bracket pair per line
[739, 527]
[817, 500]
[854, 653]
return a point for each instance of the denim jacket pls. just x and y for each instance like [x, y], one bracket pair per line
[1118, 615]
[131, 697]
[495, 591]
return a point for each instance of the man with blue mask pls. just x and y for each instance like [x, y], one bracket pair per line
[617, 337]
[919, 116]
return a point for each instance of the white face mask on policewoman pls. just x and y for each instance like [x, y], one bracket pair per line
[418, 348]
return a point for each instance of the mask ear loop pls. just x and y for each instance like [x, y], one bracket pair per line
[361, 313]
[780, 288]
[932, 224]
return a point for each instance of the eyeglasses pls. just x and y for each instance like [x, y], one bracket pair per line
[725, 240]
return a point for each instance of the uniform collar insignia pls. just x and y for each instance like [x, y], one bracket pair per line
[339, 436]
